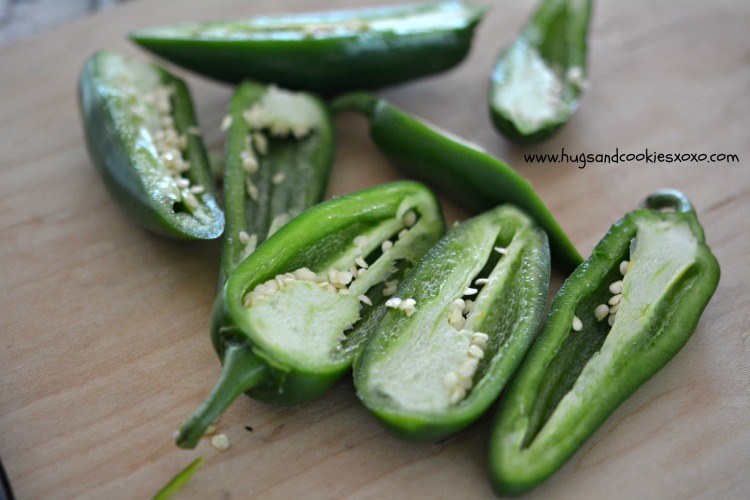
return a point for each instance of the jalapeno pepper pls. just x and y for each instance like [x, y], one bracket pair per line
[278, 158]
[458, 326]
[325, 52]
[537, 81]
[291, 316]
[143, 138]
[476, 179]
[617, 320]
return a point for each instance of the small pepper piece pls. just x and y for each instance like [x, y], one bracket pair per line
[143, 138]
[324, 52]
[279, 155]
[460, 169]
[292, 316]
[478, 297]
[537, 81]
[657, 267]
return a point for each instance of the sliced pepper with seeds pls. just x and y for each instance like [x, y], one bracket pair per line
[458, 326]
[143, 138]
[460, 169]
[292, 316]
[279, 155]
[324, 52]
[617, 320]
[537, 81]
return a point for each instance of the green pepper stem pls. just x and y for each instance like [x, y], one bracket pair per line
[242, 371]
[668, 199]
[358, 102]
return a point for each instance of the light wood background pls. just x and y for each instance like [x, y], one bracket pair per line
[103, 327]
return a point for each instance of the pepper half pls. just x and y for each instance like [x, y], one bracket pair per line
[279, 155]
[459, 325]
[324, 52]
[537, 81]
[462, 170]
[143, 138]
[617, 320]
[292, 316]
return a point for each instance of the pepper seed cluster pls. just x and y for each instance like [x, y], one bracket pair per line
[462, 380]
[334, 280]
[170, 145]
[610, 309]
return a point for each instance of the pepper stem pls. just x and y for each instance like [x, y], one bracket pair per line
[669, 199]
[359, 102]
[242, 371]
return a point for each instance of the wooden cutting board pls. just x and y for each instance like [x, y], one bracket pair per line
[103, 327]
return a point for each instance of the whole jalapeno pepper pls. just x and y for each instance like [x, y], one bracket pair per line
[143, 138]
[617, 320]
[323, 52]
[291, 316]
[458, 326]
[462, 170]
[537, 81]
[278, 158]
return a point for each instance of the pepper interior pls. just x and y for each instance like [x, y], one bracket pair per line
[345, 23]
[646, 284]
[315, 315]
[149, 108]
[435, 362]
[276, 159]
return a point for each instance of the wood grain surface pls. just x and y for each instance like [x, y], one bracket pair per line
[103, 327]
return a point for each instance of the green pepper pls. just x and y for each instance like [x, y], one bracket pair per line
[463, 170]
[278, 158]
[291, 316]
[537, 81]
[143, 138]
[617, 320]
[459, 325]
[326, 52]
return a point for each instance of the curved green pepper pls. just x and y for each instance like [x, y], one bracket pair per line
[278, 158]
[459, 325]
[618, 319]
[462, 170]
[144, 140]
[291, 316]
[328, 52]
[538, 80]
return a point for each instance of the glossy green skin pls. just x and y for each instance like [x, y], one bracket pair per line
[558, 30]
[465, 172]
[315, 239]
[278, 50]
[556, 366]
[126, 170]
[511, 319]
[305, 163]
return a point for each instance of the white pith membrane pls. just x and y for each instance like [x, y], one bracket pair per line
[531, 92]
[146, 103]
[307, 314]
[278, 114]
[647, 249]
[434, 367]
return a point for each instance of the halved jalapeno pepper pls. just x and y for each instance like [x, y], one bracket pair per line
[462, 170]
[538, 80]
[278, 158]
[459, 325]
[291, 316]
[143, 138]
[324, 52]
[619, 318]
